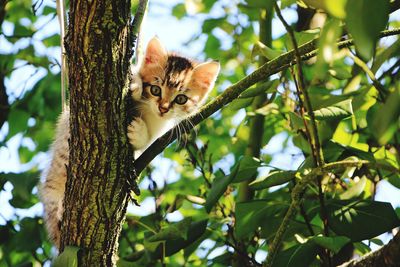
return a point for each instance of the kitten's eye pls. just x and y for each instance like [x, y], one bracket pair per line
[155, 90]
[181, 99]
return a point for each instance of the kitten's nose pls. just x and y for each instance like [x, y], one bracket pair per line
[163, 108]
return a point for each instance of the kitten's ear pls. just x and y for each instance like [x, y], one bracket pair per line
[205, 74]
[155, 52]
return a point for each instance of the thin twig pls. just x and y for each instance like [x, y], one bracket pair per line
[137, 23]
[315, 144]
[358, 61]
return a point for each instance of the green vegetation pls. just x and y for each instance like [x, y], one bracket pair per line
[284, 165]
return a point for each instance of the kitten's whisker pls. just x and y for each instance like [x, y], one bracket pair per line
[182, 132]
[171, 134]
[193, 126]
[183, 137]
[186, 134]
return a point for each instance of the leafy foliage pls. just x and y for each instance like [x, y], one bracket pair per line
[214, 202]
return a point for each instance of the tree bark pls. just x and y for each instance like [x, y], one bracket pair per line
[388, 256]
[99, 48]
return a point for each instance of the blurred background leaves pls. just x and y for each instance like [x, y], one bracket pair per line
[191, 214]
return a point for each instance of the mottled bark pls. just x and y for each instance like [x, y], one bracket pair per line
[388, 256]
[99, 50]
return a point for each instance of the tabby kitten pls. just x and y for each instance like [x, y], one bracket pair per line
[171, 89]
[166, 89]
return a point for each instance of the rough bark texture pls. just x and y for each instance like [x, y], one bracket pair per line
[99, 50]
[388, 256]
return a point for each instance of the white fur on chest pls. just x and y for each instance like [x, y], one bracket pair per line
[156, 125]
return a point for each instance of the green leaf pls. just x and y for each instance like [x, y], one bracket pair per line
[68, 258]
[212, 46]
[385, 118]
[260, 89]
[355, 190]
[218, 188]
[296, 122]
[25, 154]
[340, 73]
[17, 121]
[360, 220]
[179, 11]
[338, 111]
[6, 62]
[261, 49]
[365, 20]
[302, 37]
[23, 31]
[327, 48]
[336, 8]
[211, 24]
[246, 169]
[173, 231]
[266, 4]
[334, 244]
[287, 3]
[385, 54]
[272, 179]
[395, 181]
[224, 259]
[270, 108]
[53, 40]
[252, 214]
[135, 256]
[49, 10]
[240, 103]
[23, 184]
[28, 54]
[195, 231]
[30, 229]
[302, 255]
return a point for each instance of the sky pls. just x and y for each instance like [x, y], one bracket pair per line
[174, 34]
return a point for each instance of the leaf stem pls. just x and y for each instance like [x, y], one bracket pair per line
[382, 91]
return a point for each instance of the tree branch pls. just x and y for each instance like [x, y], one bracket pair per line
[297, 195]
[387, 256]
[307, 50]
[139, 15]
[303, 94]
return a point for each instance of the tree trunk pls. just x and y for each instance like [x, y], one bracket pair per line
[99, 50]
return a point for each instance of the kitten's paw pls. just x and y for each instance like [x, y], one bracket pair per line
[136, 85]
[137, 134]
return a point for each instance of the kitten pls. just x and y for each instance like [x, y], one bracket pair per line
[166, 89]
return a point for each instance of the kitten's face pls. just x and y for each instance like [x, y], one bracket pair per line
[174, 87]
